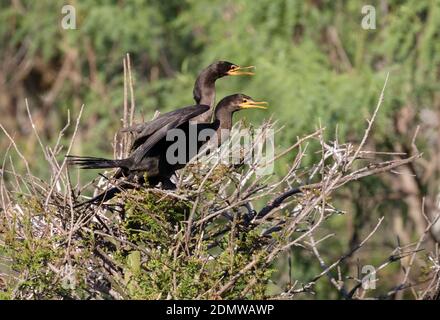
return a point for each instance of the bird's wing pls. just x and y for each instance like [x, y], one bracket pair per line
[174, 120]
[149, 126]
[136, 128]
[144, 130]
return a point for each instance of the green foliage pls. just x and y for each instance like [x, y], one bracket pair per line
[152, 220]
[309, 66]
[166, 268]
[154, 261]
[33, 258]
[307, 76]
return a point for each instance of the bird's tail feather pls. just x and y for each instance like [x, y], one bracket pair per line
[95, 163]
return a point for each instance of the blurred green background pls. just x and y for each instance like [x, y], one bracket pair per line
[315, 64]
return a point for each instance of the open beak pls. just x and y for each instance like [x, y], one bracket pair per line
[241, 71]
[254, 105]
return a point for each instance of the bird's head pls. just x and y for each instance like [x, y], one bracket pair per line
[225, 68]
[238, 102]
[204, 88]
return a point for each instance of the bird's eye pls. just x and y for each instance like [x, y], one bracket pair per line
[233, 67]
[245, 100]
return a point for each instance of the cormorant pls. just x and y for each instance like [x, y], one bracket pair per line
[152, 157]
[203, 93]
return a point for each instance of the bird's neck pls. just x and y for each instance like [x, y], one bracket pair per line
[224, 117]
[207, 96]
[204, 89]
[222, 124]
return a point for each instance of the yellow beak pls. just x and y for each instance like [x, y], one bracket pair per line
[238, 71]
[253, 105]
